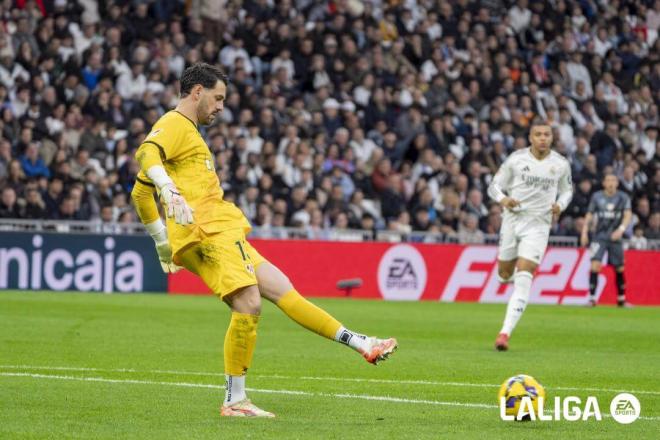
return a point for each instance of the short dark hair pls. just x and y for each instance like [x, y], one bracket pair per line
[201, 73]
[539, 121]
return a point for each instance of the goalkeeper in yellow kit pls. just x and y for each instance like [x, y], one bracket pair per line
[206, 235]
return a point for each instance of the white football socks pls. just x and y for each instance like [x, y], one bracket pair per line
[522, 284]
[354, 340]
[235, 391]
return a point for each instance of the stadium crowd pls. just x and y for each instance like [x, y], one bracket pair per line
[376, 115]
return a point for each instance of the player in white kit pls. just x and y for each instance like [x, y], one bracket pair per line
[532, 185]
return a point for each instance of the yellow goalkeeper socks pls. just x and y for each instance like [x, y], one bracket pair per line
[240, 340]
[308, 315]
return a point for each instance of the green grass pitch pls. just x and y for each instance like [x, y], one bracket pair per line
[150, 366]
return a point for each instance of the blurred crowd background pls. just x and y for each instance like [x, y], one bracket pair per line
[348, 114]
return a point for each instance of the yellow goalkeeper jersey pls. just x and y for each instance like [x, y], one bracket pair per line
[189, 162]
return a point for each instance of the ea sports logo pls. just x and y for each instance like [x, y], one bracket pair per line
[625, 408]
[402, 273]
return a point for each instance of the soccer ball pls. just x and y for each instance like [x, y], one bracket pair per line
[515, 388]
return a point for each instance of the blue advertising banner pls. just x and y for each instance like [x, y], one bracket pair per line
[84, 262]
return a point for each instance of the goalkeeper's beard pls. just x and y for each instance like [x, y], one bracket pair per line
[204, 116]
[206, 120]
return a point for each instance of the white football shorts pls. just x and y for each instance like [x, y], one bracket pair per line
[523, 236]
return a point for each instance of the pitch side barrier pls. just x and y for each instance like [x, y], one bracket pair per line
[48, 260]
[105, 257]
[279, 233]
[442, 272]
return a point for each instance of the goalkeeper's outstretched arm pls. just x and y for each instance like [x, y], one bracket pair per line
[147, 210]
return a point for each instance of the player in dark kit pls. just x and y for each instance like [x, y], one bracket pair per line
[612, 211]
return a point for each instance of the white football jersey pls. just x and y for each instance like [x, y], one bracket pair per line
[535, 184]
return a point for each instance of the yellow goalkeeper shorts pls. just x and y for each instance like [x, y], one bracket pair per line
[225, 261]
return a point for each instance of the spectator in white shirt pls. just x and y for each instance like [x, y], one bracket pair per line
[283, 60]
[6, 44]
[588, 115]
[578, 18]
[611, 92]
[648, 141]
[653, 23]
[601, 42]
[11, 71]
[362, 146]
[433, 66]
[566, 132]
[579, 73]
[133, 84]
[254, 141]
[84, 38]
[82, 162]
[434, 29]
[20, 101]
[362, 93]
[290, 137]
[229, 53]
[520, 16]
[638, 241]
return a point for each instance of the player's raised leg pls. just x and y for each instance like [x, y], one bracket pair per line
[276, 287]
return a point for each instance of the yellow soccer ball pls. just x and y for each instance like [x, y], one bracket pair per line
[515, 388]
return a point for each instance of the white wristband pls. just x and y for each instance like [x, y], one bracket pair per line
[157, 231]
[622, 228]
[159, 176]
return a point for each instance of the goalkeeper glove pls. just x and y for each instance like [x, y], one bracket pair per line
[159, 234]
[165, 256]
[177, 206]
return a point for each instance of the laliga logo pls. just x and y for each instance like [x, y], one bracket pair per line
[624, 408]
[568, 409]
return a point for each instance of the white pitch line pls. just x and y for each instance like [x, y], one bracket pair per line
[267, 391]
[107, 380]
[255, 390]
[317, 378]
[112, 370]
[467, 384]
